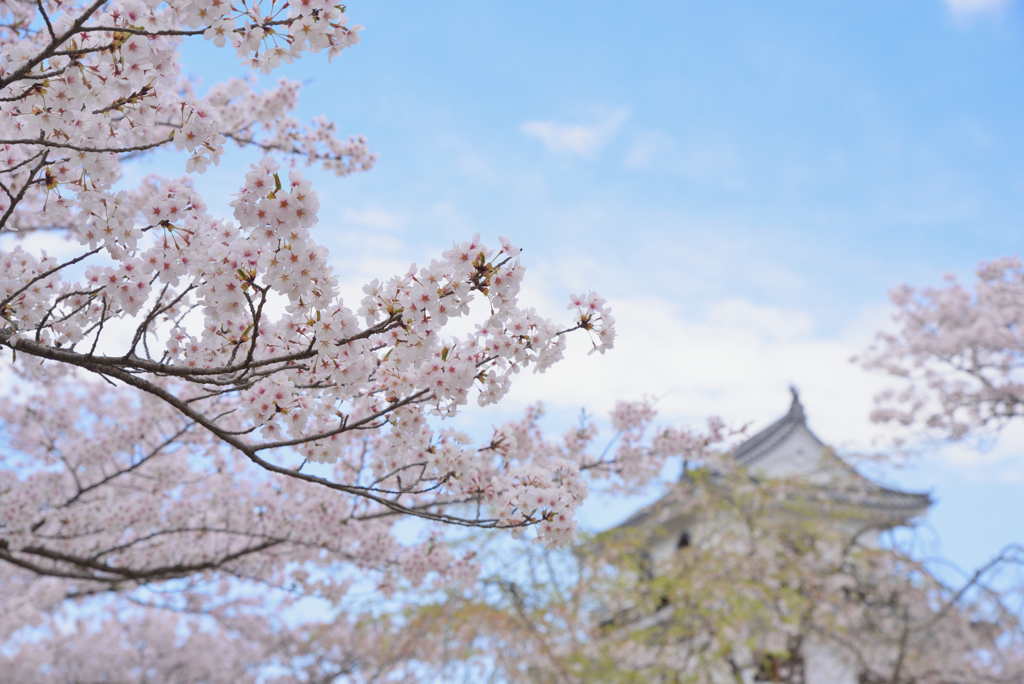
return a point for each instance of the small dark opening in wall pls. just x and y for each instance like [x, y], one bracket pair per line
[684, 541]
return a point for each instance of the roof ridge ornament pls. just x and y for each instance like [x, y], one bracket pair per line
[796, 409]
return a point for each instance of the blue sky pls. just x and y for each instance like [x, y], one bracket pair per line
[744, 181]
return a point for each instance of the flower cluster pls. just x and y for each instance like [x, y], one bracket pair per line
[201, 401]
[245, 314]
[106, 490]
[959, 354]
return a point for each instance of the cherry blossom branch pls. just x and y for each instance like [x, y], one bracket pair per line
[48, 51]
[240, 343]
[15, 199]
[251, 451]
[121, 574]
[80, 148]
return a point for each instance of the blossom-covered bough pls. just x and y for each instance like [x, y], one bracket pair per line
[250, 423]
[85, 85]
[960, 354]
[116, 494]
[958, 358]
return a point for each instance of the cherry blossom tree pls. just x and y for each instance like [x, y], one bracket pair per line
[957, 357]
[959, 354]
[125, 524]
[252, 426]
[170, 497]
[84, 87]
[748, 600]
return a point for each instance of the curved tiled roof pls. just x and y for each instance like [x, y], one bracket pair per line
[861, 492]
[763, 442]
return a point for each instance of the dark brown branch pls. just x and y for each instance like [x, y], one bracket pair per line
[48, 51]
[79, 148]
[16, 200]
[46, 18]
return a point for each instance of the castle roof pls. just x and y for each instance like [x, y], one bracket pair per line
[788, 448]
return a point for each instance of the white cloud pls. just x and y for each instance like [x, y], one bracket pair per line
[577, 139]
[974, 6]
[731, 358]
[646, 148]
[735, 360]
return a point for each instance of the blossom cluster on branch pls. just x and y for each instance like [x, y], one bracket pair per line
[84, 86]
[121, 516]
[252, 426]
[960, 354]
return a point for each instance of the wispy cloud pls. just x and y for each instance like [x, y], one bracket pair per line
[732, 358]
[975, 6]
[577, 139]
[646, 148]
[371, 217]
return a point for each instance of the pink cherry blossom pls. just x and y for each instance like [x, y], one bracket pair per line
[958, 354]
[198, 402]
